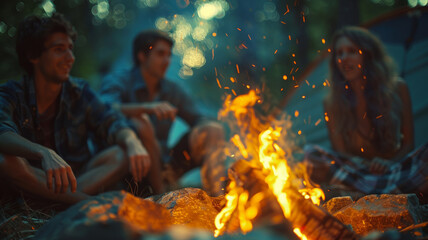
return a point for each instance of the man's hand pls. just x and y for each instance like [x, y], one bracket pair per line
[58, 171]
[162, 110]
[379, 166]
[139, 160]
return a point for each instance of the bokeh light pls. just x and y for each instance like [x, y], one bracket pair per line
[209, 10]
[193, 58]
[199, 33]
[48, 7]
[413, 3]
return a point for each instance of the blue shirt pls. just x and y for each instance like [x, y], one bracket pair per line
[129, 87]
[80, 113]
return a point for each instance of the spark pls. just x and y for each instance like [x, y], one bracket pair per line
[243, 45]
[285, 77]
[239, 29]
[212, 50]
[361, 52]
[237, 68]
[249, 37]
[214, 34]
[303, 96]
[186, 155]
[288, 10]
[215, 69]
[323, 41]
[317, 122]
[275, 51]
[218, 82]
[233, 91]
[379, 116]
[299, 132]
[362, 149]
[283, 22]
[296, 113]
[328, 83]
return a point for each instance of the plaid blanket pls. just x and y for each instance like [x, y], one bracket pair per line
[404, 176]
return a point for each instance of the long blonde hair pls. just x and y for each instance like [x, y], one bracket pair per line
[383, 105]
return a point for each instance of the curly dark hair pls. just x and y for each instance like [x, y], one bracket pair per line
[33, 33]
[379, 69]
[147, 39]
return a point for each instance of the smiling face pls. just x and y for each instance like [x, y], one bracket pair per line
[157, 61]
[56, 61]
[349, 59]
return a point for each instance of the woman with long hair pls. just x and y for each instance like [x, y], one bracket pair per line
[369, 120]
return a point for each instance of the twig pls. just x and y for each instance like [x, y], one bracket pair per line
[414, 226]
[7, 220]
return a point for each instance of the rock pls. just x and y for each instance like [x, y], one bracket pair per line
[381, 212]
[120, 215]
[337, 203]
[192, 207]
[113, 215]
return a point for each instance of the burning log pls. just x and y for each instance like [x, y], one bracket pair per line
[313, 221]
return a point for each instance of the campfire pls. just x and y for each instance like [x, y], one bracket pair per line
[266, 177]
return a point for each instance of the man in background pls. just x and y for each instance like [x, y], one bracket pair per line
[153, 102]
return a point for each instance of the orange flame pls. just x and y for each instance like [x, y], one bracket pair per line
[259, 143]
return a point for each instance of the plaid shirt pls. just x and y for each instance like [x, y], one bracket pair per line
[404, 176]
[129, 87]
[80, 113]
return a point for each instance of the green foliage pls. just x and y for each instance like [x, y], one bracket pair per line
[106, 29]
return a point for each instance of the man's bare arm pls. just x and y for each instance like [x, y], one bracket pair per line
[139, 159]
[162, 110]
[56, 169]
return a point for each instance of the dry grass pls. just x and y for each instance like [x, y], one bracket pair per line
[21, 217]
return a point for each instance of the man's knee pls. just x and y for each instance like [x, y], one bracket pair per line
[116, 156]
[208, 132]
[204, 139]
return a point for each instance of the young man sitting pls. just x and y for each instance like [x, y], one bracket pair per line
[151, 101]
[45, 120]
